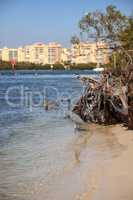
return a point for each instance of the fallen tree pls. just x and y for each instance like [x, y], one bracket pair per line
[108, 100]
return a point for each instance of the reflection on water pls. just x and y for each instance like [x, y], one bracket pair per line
[100, 139]
[81, 141]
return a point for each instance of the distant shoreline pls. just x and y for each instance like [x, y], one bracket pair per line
[58, 66]
[40, 69]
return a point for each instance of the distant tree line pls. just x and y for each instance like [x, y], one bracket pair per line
[32, 66]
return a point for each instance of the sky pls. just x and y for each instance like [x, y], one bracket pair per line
[28, 21]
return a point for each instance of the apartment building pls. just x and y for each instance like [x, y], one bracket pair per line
[40, 53]
[54, 53]
[9, 54]
[102, 53]
[65, 55]
[21, 54]
[36, 53]
[90, 53]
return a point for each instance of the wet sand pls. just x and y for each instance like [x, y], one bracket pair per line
[101, 168]
[111, 176]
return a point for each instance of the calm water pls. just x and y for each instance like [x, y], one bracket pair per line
[39, 150]
[35, 145]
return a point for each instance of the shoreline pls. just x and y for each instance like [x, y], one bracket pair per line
[48, 69]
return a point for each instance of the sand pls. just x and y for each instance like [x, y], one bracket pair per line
[112, 174]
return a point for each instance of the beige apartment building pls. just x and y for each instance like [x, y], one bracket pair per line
[9, 54]
[65, 55]
[5, 54]
[40, 53]
[36, 53]
[90, 53]
[52, 53]
[21, 54]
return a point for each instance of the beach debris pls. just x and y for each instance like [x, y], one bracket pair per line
[108, 100]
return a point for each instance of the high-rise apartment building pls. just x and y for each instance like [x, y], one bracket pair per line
[54, 53]
[65, 55]
[9, 54]
[90, 53]
[21, 54]
[36, 53]
[5, 54]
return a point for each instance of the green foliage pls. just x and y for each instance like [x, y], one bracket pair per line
[114, 22]
[126, 36]
[120, 59]
[104, 25]
[83, 66]
[58, 66]
[113, 27]
[91, 24]
[22, 65]
[75, 40]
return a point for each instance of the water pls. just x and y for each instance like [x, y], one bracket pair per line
[41, 156]
[35, 145]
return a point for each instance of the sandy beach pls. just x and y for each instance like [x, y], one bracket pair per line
[112, 177]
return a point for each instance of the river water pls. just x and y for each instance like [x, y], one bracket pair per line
[42, 155]
[37, 152]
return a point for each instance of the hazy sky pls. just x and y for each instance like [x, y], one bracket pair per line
[28, 21]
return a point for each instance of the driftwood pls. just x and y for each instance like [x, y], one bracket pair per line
[109, 100]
